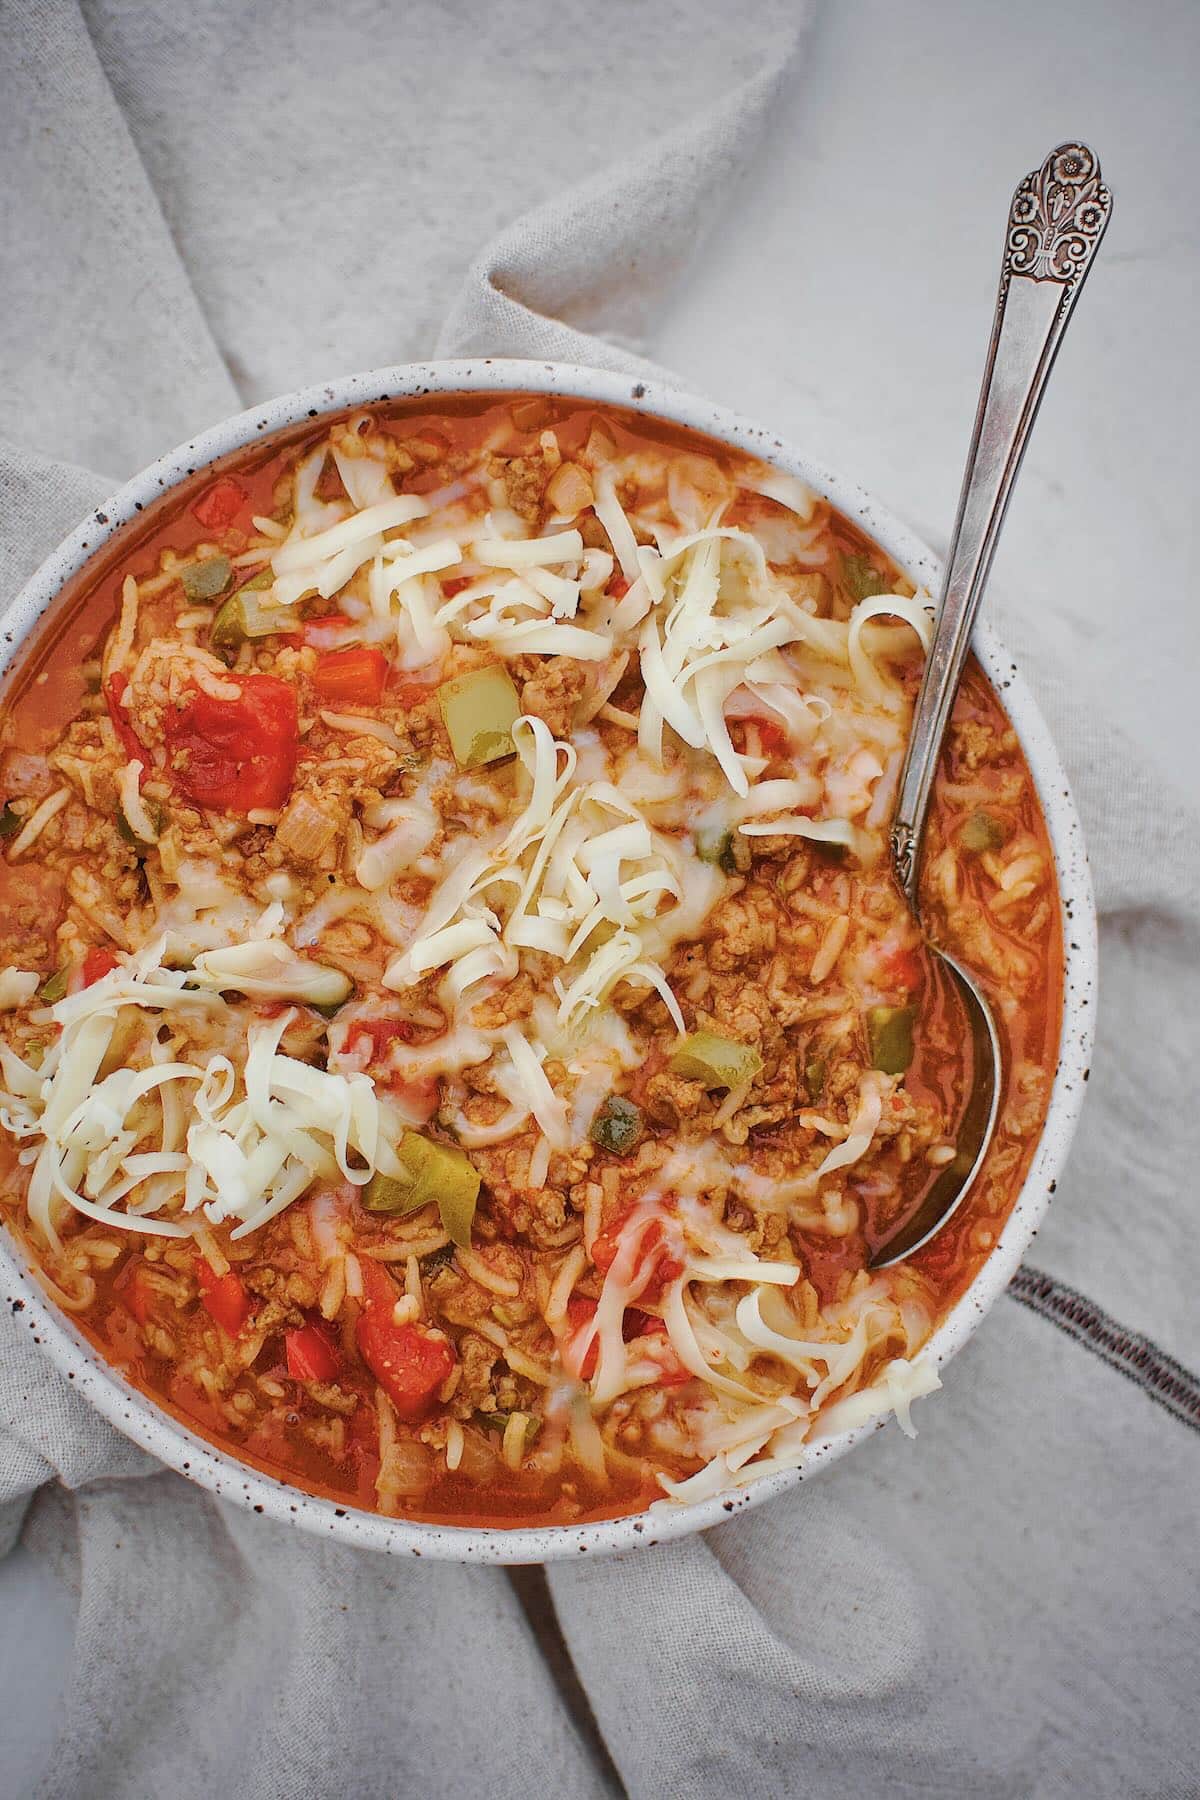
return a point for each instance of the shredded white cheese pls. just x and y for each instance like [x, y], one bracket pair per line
[256, 1138]
[324, 561]
[36, 823]
[576, 859]
[17, 988]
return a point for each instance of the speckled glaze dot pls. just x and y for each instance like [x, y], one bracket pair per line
[179, 1448]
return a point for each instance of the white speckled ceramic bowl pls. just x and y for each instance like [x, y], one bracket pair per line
[163, 1436]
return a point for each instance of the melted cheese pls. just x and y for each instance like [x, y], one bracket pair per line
[577, 858]
[324, 561]
[256, 1137]
[17, 988]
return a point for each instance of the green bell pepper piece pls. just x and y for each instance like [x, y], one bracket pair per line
[981, 832]
[890, 1034]
[618, 1127]
[498, 1422]
[479, 710]
[157, 818]
[814, 1078]
[719, 1062]
[242, 617]
[205, 580]
[861, 578]
[54, 988]
[714, 844]
[428, 1171]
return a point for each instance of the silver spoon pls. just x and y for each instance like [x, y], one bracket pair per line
[1057, 219]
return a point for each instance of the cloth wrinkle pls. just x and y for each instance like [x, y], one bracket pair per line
[521, 299]
[75, 187]
[848, 1652]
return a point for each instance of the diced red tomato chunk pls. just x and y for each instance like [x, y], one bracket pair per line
[378, 1035]
[131, 743]
[239, 754]
[219, 505]
[223, 1297]
[771, 735]
[901, 968]
[655, 1267]
[310, 1354]
[409, 1361]
[352, 677]
[576, 1360]
[96, 964]
[607, 1242]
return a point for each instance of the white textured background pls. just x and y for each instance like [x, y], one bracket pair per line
[828, 304]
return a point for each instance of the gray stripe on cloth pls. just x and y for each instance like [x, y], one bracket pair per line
[1160, 1376]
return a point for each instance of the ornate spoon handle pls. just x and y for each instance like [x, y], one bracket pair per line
[1058, 216]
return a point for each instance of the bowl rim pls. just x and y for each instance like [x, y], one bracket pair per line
[178, 1447]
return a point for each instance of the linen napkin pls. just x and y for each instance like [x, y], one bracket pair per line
[204, 205]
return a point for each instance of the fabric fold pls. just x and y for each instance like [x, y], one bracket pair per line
[633, 229]
[216, 1652]
[108, 358]
[912, 1623]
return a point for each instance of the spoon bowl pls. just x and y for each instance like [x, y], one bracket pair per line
[952, 1183]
